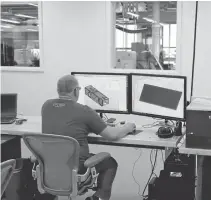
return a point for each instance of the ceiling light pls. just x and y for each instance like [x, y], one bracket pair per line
[32, 4]
[6, 26]
[10, 21]
[153, 21]
[31, 29]
[133, 14]
[26, 16]
[123, 20]
[149, 20]
[171, 8]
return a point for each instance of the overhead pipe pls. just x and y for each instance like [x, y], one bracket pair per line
[131, 31]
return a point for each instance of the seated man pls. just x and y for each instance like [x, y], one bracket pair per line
[69, 118]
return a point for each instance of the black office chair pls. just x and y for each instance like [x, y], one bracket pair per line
[58, 157]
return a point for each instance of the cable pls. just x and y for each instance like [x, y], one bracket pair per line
[105, 116]
[194, 49]
[152, 163]
[152, 172]
[151, 125]
[162, 156]
[133, 172]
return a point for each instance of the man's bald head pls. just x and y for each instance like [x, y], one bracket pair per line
[66, 85]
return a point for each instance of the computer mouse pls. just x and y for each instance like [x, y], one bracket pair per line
[19, 122]
[133, 132]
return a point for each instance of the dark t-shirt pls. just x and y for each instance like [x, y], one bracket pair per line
[69, 118]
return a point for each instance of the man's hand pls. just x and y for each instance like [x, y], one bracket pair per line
[33, 158]
[130, 127]
[116, 133]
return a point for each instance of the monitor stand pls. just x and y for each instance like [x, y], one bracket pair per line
[101, 115]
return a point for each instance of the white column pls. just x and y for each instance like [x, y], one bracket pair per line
[156, 29]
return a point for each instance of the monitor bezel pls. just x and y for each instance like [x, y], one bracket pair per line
[128, 104]
[154, 115]
[16, 104]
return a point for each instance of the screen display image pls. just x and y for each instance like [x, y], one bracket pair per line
[8, 104]
[103, 92]
[158, 95]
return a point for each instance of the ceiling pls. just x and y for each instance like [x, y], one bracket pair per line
[19, 15]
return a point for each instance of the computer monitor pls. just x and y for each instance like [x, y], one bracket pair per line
[104, 92]
[160, 96]
[8, 104]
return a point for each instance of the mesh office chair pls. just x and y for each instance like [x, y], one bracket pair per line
[7, 169]
[58, 157]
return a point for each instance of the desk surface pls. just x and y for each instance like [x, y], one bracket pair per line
[147, 137]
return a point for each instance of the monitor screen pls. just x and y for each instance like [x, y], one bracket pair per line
[9, 104]
[162, 96]
[104, 92]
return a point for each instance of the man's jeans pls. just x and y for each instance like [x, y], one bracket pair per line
[107, 172]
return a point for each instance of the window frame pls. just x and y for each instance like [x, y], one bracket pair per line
[31, 69]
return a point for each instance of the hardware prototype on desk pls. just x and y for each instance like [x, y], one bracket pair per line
[160, 96]
[199, 123]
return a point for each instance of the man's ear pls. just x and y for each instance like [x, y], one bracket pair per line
[75, 92]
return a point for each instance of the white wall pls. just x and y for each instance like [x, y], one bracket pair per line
[202, 73]
[185, 38]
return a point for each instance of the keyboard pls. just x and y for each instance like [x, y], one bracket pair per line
[7, 120]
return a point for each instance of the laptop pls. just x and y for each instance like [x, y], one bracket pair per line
[8, 108]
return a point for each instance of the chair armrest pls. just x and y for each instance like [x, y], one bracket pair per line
[94, 160]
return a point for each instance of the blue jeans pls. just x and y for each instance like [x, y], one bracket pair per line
[107, 172]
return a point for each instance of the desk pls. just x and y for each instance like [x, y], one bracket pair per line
[8, 141]
[146, 139]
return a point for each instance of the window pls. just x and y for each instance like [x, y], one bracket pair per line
[169, 45]
[20, 45]
[145, 35]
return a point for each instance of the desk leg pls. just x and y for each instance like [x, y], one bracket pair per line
[203, 185]
[199, 177]
[168, 151]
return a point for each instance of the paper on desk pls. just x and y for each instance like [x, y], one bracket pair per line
[200, 103]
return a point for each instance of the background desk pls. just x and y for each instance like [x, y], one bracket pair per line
[147, 138]
[10, 147]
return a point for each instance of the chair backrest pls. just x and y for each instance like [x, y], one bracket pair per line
[58, 157]
[7, 169]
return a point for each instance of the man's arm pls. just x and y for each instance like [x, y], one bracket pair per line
[116, 133]
[99, 127]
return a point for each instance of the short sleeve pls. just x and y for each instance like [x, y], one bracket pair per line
[43, 107]
[94, 122]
